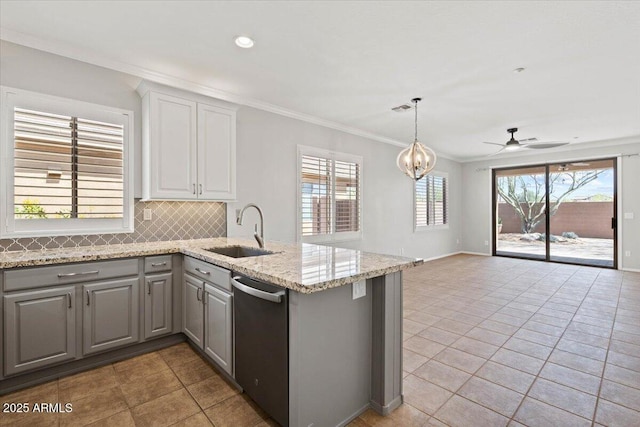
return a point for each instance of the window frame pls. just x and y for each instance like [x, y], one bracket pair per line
[10, 227]
[333, 236]
[431, 227]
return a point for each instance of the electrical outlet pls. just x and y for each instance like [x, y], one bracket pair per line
[401, 251]
[359, 289]
[147, 214]
[486, 243]
[627, 253]
[457, 241]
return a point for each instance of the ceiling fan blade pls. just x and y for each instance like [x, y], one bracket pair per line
[497, 152]
[543, 145]
[527, 140]
[580, 164]
[493, 143]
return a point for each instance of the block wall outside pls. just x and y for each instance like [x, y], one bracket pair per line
[586, 219]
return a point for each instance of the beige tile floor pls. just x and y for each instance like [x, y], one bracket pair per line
[487, 342]
[494, 341]
[170, 387]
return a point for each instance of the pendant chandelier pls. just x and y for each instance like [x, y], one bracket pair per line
[416, 160]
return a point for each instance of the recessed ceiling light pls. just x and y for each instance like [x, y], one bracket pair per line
[244, 42]
[519, 70]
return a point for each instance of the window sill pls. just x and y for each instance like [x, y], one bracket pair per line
[428, 228]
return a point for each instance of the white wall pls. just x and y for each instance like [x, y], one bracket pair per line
[476, 202]
[37, 71]
[267, 166]
[267, 170]
[266, 157]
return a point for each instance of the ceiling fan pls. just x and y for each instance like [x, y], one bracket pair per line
[513, 144]
[564, 167]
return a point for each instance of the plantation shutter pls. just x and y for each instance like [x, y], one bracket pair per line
[67, 167]
[421, 202]
[316, 194]
[347, 189]
[100, 169]
[437, 200]
[431, 201]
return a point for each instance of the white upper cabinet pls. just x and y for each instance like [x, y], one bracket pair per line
[216, 153]
[188, 148]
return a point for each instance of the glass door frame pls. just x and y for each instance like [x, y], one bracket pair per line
[494, 209]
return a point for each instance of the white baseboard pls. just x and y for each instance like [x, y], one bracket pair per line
[634, 270]
[474, 253]
[441, 256]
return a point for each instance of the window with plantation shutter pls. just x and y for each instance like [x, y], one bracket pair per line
[329, 195]
[431, 201]
[68, 165]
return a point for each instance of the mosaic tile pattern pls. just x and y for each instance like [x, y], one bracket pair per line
[171, 221]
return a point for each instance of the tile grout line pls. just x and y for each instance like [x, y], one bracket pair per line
[487, 360]
[524, 395]
[537, 376]
[606, 357]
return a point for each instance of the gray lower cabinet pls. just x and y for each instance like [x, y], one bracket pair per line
[39, 329]
[110, 314]
[158, 302]
[192, 312]
[218, 312]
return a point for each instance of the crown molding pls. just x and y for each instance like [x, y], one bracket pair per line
[90, 57]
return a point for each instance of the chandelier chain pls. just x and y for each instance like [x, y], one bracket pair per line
[415, 101]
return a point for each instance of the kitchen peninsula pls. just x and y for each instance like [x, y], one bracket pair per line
[344, 315]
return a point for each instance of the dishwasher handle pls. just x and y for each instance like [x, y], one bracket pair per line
[268, 296]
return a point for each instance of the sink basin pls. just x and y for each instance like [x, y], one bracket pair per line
[239, 251]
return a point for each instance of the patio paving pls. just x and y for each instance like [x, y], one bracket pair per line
[585, 248]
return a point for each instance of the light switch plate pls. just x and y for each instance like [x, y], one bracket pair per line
[628, 215]
[146, 215]
[359, 289]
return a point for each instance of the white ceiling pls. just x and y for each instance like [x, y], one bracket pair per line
[350, 62]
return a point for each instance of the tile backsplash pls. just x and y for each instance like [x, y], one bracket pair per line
[171, 221]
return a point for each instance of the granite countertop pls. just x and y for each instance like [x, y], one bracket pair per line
[302, 267]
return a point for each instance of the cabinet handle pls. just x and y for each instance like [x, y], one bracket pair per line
[82, 273]
[158, 264]
[148, 287]
[194, 188]
[200, 188]
[88, 298]
[202, 271]
[198, 297]
[204, 298]
[70, 303]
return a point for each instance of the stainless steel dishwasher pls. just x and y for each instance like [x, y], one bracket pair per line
[262, 345]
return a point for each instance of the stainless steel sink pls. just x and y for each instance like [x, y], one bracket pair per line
[239, 251]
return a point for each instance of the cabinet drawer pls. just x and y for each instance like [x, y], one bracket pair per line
[36, 277]
[153, 264]
[209, 272]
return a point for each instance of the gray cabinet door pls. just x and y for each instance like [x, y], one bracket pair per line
[218, 328]
[157, 305]
[110, 315]
[192, 310]
[40, 329]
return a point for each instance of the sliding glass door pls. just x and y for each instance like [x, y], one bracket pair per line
[521, 219]
[575, 201]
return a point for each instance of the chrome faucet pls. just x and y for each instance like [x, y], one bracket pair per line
[259, 238]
